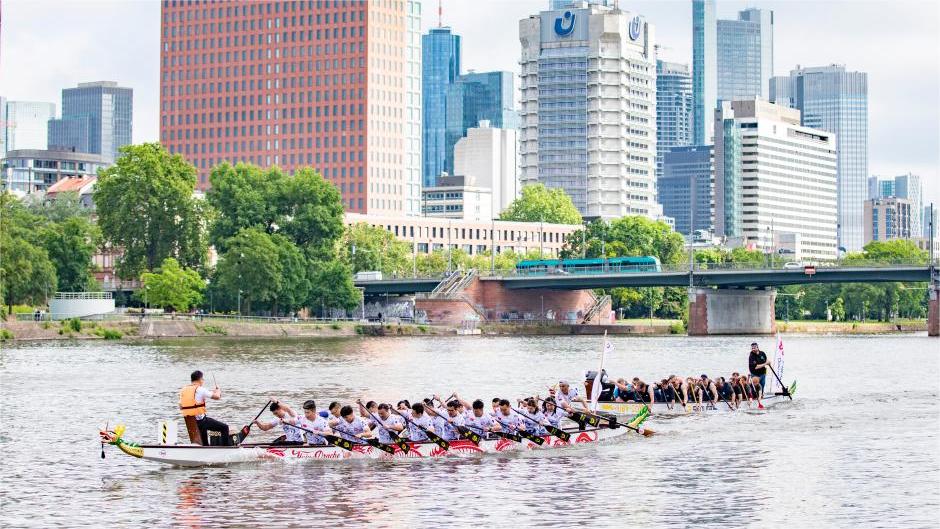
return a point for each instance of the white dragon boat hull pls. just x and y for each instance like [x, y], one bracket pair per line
[195, 455]
[624, 409]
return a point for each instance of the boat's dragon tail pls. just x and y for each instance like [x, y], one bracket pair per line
[115, 438]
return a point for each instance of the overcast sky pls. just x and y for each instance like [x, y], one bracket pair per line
[48, 45]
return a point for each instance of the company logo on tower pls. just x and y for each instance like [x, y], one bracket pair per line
[560, 29]
[635, 26]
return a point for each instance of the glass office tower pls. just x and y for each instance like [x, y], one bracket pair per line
[440, 51]
[674, 111]
[834, 100]
[704, 69]
[745, 55]
[97, 118]
[475, 97]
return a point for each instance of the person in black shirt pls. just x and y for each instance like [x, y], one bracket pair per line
[757, 364]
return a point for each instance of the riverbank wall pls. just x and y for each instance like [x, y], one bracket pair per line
[158, 329]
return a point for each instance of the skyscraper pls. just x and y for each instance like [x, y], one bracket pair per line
[673, 109]
[704, 69]
[908, 186]
[745, 55]
[331, 85]
[588, 116]
[889, 218]
[97, 118]
[686, 189]
[774, 179]
[476, 97]
[834, 100]
[24, 124]
[440, 51]
[879, 187]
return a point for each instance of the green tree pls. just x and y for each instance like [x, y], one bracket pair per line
[27, 275]
[294, 285]
[364, 247]
[541, 204]
[900, 251]
[252, 267]
[312, 211]
[146, 208]
[332, 287]
[838, 310]
[243, 196]
[172, 286]
[71, 244]
[63, 206]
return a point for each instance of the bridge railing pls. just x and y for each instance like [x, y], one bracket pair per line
[698, 267]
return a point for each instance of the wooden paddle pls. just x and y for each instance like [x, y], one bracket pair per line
[522, 433]
[433, 437]
[464, 432]
[722, 397]
[504, 435]
[389, 449]
[243, 433]
[401, 443]
[557, 432]
[645, 432]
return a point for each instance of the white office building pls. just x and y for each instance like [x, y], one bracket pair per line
[588, 116]
[774, 177]
[486, 156]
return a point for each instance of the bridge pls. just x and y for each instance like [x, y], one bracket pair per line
[720, 275]
[743, 301]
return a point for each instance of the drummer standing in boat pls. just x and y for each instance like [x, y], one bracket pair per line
[193, 405]
[757, 364]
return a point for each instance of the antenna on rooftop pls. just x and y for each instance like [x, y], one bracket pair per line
[440, 14]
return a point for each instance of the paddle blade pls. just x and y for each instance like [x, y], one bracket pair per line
[646, 432]
[243, 433]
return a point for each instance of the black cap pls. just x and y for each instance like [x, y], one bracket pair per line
[704, 376]
[753, 344]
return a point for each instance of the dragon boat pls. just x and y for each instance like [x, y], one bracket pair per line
[191, 455]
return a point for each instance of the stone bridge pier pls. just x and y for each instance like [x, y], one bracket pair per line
[732, 311]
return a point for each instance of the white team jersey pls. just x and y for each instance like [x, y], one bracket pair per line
[318, 424]
[381, 432]
[348, 430]
[567, 397]
[414, 433]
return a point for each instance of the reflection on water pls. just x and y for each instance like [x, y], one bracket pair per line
[857, 448]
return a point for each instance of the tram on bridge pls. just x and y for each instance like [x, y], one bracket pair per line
[646, 263]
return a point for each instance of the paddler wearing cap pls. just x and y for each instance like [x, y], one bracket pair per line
[565, 395]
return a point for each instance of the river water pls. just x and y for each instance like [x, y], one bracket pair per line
[859, 447]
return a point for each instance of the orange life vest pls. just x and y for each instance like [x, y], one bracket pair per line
[188, 403]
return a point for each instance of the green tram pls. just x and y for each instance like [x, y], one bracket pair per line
[588, 266]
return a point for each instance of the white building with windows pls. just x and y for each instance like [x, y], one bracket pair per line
[588, 115]
[774, 177]
[486, 157]
[458, 197]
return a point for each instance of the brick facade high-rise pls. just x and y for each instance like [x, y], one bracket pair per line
[329, 84]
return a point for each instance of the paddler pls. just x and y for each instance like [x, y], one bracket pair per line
[725, 391]
[534, 420]
[286, 419]
[553, 414]
[315, 423]
[508, 419]
[480, 420]
[566, 395]
[386, 421]
[350, 427]
[419, 418]
[193, 404]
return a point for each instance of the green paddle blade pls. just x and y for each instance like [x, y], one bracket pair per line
[792, 389]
